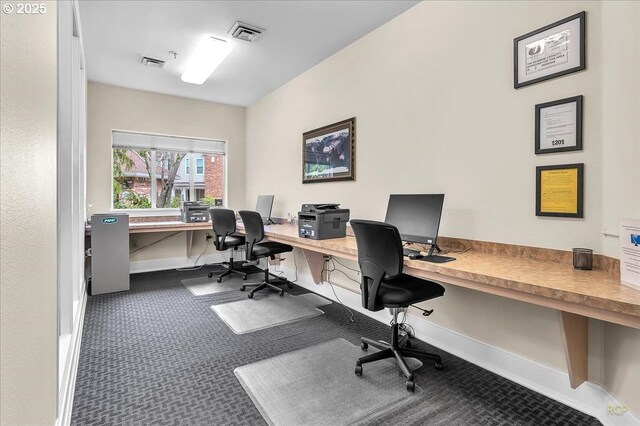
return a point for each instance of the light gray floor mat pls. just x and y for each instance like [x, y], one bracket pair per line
[250, 315]
[203, 285]
[317, 385]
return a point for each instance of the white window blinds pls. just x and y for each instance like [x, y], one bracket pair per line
[166, 143]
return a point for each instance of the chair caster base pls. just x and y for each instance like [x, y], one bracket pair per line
[250, 295]
[243, 288]
[219, 279]
[358, 369]
[210, 274]
[410, 385]
[364, 346]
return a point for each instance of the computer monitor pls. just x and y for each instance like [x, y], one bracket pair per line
[263, 206]
[417, 217]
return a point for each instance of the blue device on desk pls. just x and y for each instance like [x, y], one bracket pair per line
[635, 239]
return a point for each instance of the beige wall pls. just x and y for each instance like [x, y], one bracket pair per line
[28, 297]
[436, 111]
[111, 107]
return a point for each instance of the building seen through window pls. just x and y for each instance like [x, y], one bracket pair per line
[160, 178]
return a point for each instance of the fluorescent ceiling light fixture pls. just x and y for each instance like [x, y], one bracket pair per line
[208, 55]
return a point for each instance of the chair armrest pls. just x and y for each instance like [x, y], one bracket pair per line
[370, 272]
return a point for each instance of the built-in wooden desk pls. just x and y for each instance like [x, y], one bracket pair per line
[576, 295]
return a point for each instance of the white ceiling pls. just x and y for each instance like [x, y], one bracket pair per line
[299, 34]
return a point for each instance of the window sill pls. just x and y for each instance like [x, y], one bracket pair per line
[148, 212]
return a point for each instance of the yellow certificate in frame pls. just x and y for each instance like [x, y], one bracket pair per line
[559, 190]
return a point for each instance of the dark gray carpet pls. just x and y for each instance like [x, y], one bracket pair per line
[158, 355]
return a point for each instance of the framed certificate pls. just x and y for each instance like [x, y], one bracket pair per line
[551, 51]
[559, 190]
[559, 126]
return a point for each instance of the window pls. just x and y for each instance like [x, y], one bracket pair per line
[153, 172]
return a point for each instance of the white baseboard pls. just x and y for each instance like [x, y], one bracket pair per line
[71, 371]
[589, 398]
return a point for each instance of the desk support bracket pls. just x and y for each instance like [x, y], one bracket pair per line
[574, 331]
[315, 260]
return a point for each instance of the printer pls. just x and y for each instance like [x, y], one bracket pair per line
[194, 211]
[322, 221]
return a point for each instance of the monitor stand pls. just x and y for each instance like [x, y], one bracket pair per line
[434, 258]
[268, 222]
[432, 248]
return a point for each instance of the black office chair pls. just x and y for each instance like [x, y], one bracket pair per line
[254, 233]
[383, 285]
[224, 226]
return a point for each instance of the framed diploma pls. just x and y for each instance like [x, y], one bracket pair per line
[559, 126]
[559, 190]
[551, 51]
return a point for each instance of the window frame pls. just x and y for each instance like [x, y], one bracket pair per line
[201, 160]
[167, 211]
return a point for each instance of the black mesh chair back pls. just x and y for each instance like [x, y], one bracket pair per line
[380, 243]
[253, 229]
[254, 234]
[224, 224]
[379, 257]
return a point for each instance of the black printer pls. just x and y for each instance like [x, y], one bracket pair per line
[322, 221]
[194, 211]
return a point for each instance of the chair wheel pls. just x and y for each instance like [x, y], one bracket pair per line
[438, 365]
[364, 346]
[210, 274]
[244, 277]
[411, 385]
[408, 345]
[250, 295]
[289, 285]
[243, 288]
[358, 369]
[219, 279]
[282, 293]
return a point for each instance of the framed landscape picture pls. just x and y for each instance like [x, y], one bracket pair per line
[328, 153]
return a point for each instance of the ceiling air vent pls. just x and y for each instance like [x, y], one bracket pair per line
[245, 32]
[152, 62]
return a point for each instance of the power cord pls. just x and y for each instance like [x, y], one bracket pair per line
[194, 267]
[153, 243]
[345, 266]
[329, 271]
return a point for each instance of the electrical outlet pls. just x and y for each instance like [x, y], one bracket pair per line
[275, 261]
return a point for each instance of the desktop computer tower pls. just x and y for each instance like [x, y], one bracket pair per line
[109, 253]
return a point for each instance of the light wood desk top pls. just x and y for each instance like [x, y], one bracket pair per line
[592, 293]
